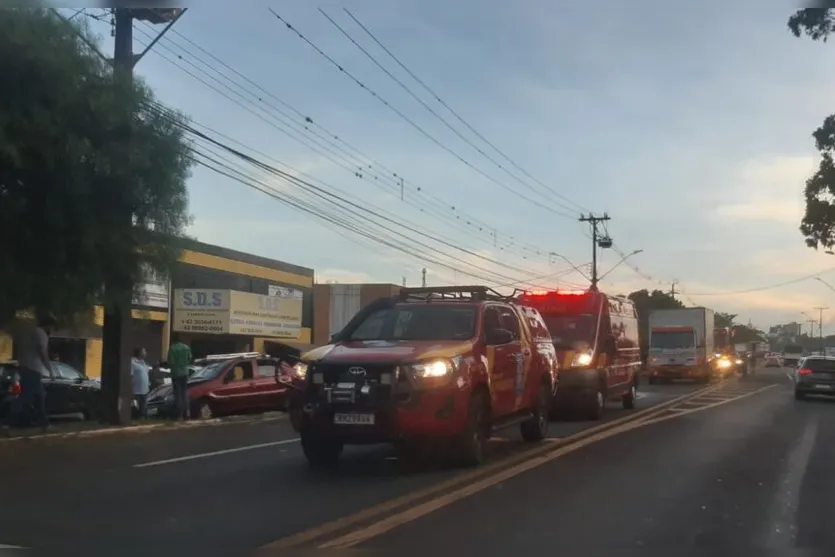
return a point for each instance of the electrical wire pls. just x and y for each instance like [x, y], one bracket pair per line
[416, 126]
[352, 165]
[340, 202]
[443, 120]
[763, 288]
[455, 113]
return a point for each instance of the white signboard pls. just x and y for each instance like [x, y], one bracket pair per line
[153, 292]
[284, 292]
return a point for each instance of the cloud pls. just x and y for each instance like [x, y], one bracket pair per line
[768, 189]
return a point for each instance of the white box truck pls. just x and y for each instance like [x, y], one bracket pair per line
[680, 344]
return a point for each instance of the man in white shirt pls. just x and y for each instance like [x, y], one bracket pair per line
[33, 361]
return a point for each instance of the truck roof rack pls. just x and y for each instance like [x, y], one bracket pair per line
[231, 356]
[453, 294]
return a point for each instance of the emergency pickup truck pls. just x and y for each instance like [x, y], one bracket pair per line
[430, 369]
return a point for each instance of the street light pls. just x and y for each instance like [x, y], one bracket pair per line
[622, 259]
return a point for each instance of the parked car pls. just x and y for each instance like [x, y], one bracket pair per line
[225, 384]
[430, 369]
[815, 376]
[69, 392]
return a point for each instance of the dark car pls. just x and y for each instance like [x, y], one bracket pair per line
[69, 392]
[225, 384]
[815, 376]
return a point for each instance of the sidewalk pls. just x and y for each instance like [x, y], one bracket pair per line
[68, 429]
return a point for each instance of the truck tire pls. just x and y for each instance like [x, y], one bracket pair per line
[630, 397]
[471, 444]
[597, 404]
[321, 452]
[536, 428]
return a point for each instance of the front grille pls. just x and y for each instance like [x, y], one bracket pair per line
[355, 384]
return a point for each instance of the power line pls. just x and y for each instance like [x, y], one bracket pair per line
[352, 207]
[761, 288]
[467, 225]
[432, 111]
[414, 124]
[455, 113]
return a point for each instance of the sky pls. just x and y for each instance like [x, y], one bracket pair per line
[691, 128]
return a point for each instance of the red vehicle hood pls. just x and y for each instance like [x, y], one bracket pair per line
[382, 351]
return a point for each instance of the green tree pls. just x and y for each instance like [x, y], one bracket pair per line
[78, 148]
[724, 319]
[818, 224]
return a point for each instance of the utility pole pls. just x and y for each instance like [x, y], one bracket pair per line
[820, 328]
[423, 277]
[117, 393]
[673, 289]
[404, 282]
[596, 241]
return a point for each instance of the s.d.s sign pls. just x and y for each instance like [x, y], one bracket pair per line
[201, 311]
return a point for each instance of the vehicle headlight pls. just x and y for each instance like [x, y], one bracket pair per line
[433, 369]
[300, 369]
[723, 363]
[738, 361]
[717, 355]
[582, 359]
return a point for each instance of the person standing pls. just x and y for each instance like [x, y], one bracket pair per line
[34, 364]
[140, 381]
[179, 358]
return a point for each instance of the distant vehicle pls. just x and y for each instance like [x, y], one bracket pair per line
[596, 338]
[792, 354]
[815, 377]
[429, 369]
[225, 384]
[681, 344]
[773, 359]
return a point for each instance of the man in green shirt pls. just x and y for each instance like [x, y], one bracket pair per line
[179, 358]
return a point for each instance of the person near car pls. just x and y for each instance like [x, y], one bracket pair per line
[179, 358]
[34, 364]
[140, 380]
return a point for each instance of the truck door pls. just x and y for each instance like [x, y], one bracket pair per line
[503, 362]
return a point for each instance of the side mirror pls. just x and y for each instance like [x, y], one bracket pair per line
[496, 337]
[80, 379]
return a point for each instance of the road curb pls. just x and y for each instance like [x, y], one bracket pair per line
[142, 428]
[341, 524]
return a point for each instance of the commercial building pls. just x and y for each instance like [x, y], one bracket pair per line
[336, 304]
[223, 301]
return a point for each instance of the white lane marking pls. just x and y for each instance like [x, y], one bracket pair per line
[4, 546]
[214, 453]
[782, 526]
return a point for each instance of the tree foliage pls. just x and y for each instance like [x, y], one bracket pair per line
[79, 150]
[818, 224]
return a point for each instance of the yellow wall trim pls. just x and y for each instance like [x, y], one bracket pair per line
[149, 315]
[92, 359]
[98, 315]
[6, 346]
[247, 269]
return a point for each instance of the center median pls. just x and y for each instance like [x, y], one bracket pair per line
[336, 526]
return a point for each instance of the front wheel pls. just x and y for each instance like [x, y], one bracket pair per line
[473, 440]
[630, 397]
[536, 428]
[321, 452]
[596, 405]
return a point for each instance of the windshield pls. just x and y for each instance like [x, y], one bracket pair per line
[671, 340]
[207, 372]
[420, 322]
[569, 330]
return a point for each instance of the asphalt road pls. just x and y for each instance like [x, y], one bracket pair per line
[724, 471]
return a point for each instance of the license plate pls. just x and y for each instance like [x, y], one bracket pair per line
[353, 419]
[152, 411]
[824, 387]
